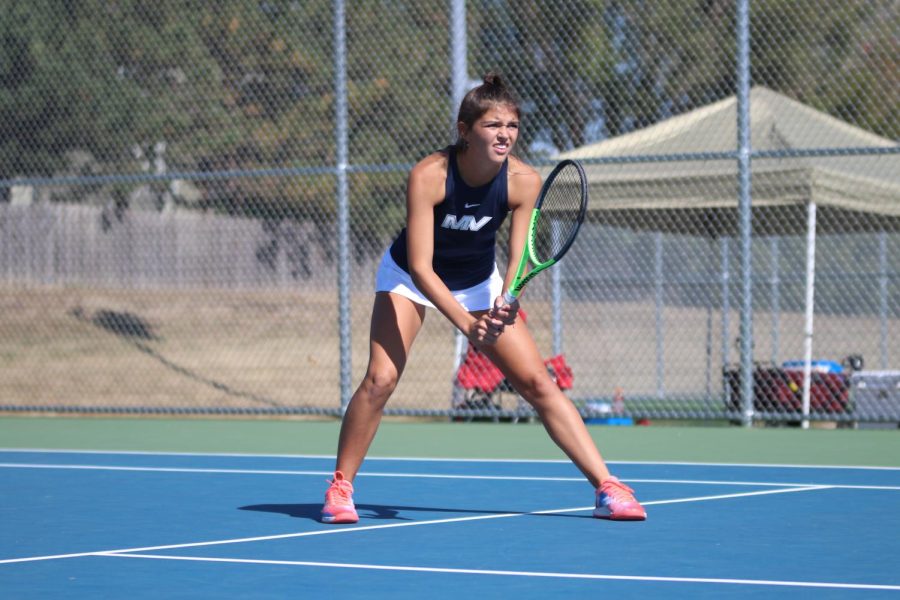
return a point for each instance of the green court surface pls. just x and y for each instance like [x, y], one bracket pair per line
[880, 448]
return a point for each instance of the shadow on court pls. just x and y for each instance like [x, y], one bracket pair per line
[377, 511]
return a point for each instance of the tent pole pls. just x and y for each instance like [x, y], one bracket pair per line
[709, 297]
[775, 293]
[659, 302]
[810, 304]
[883, 296]
[744, 208]
[726, 303]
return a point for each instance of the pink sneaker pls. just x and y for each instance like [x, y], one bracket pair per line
[339, 506]
[616, 501]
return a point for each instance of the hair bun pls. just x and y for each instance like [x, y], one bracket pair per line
[493, 79]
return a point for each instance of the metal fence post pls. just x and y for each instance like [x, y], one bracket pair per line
[459, 73]
[744, 208]
[343, 201]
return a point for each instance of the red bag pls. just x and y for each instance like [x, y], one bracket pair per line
[477, 372]
[560, 371]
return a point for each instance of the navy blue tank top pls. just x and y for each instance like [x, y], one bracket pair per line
[465, 229]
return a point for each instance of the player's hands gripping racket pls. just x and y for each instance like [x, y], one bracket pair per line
[555, 221]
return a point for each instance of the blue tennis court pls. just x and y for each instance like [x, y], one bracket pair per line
[81, 524]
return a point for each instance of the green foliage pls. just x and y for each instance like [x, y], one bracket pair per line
[843, 60]
[644, 61]
[557, 57]
[245, 85]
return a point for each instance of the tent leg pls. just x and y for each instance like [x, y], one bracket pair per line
[810, 305]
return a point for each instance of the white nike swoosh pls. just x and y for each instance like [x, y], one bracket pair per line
[472, 205]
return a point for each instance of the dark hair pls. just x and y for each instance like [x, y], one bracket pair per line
[492, 92]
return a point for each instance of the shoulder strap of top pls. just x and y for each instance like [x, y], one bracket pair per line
[452, 172]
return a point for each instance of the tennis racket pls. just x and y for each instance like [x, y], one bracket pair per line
[555, 220]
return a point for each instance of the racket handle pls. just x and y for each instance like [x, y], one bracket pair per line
[508, 298]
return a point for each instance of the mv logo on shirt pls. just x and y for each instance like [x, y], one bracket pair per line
[466, 223]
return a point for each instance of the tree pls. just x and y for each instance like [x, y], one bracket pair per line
[238, 86]
[557, 56]
[56, 97]
[628, 64]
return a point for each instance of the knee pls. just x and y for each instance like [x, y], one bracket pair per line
[379, 384]
[538, 388]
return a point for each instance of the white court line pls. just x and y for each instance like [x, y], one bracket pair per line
[333, 531]
[841, 486]
[423, 475]
[279, 472]
[440, 459]
[759, 582]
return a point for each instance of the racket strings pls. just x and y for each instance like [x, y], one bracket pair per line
[561, 214]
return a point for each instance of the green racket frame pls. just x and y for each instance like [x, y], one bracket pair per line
[529, 254]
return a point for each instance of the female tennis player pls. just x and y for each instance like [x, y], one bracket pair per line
[457, 199]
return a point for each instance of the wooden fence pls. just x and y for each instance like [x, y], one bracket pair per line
[51, 243]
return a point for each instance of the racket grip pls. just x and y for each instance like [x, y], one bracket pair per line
[508, 298]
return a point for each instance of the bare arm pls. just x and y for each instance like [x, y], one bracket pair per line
[524, 187]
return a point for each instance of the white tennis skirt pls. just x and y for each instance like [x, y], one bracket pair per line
[391, 278]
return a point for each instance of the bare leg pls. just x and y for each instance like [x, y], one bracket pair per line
[395, 322]
[517, 356]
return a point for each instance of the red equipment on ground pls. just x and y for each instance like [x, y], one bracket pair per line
[483, 383]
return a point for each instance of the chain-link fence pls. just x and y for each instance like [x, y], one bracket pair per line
[195, 196]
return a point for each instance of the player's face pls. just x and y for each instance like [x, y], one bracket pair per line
[494, 134]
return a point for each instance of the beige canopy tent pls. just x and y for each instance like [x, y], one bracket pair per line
[790, 195]
[700, 196]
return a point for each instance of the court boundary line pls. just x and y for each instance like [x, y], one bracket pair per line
[444, 459]
[335, 531]
[298, 473]
[595, 576]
